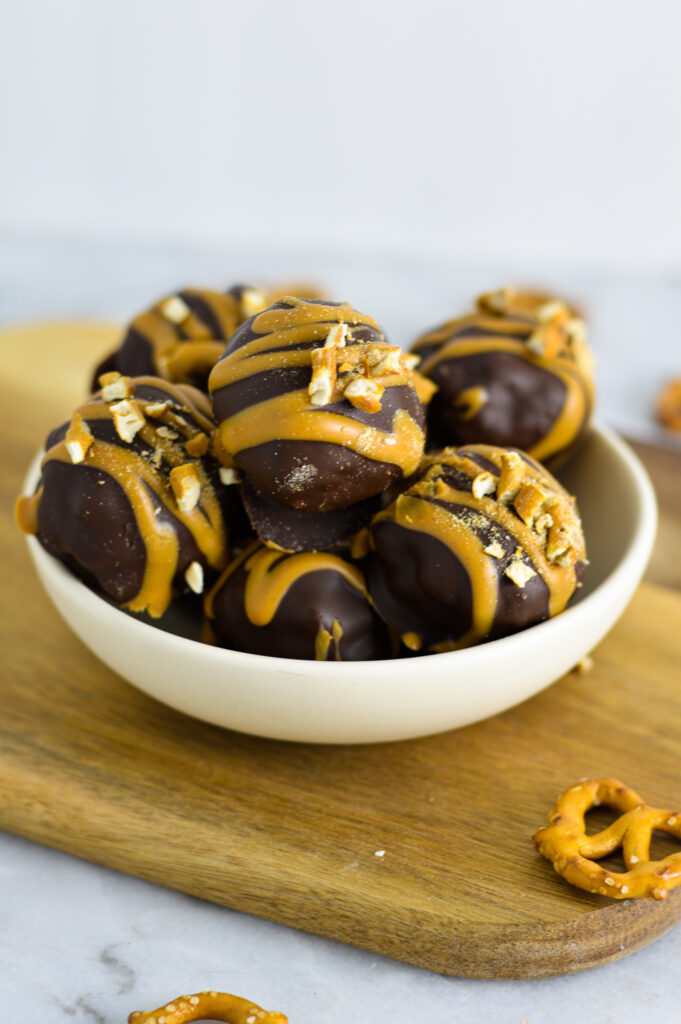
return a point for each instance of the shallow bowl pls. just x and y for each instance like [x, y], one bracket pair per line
[369, 702]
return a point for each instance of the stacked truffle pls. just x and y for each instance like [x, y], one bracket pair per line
[307, 468]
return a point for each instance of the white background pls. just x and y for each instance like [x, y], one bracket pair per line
[533, 130]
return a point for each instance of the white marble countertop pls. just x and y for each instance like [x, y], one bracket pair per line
[79, 942]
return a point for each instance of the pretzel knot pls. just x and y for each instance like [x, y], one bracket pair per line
[572, 852]
[208, 1006]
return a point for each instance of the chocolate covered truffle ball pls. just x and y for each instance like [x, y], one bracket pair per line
[129, 493]
[517, 372]
[315, 407]
[311, 605]
[181, 337]
[484, 544]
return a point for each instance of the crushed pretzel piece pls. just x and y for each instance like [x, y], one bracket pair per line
[128, 419]
[495, 550]
[497, 301]
[215, 1006]
[519, 572]
[194, 577]
[167, 432]
[384, 362]
[484, 483]
[115, 386]
[364, 394]
[529, 501]
[229, 476]
[573, 853]
[323, 381]
[511, 476]
[156, 409]
[552, 311]
[336, 336]
[197, 445]
[174, 309]
[186, 485]
[253, 301]
[78, 439]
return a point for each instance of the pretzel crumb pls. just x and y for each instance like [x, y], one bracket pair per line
[323, 381]
[495, 549]
[229, 476]
[167, 432]
[194, 577]
[519, 572]
[174, 309]
[114, 386]
[483, 483]
[186, 485]
[336, 336]
[78, 439]
[584, 666]
[128, 419]
[364, 394]
[156, 409]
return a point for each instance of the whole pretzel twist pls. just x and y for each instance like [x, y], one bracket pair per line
[208, 1006]
[565, 842]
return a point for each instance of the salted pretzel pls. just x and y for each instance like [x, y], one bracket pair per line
[668, 405]
[565, 842]
[208, 1006]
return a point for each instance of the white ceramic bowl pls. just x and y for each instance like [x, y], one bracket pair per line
[369, 702]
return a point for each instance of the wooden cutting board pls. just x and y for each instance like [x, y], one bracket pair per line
[419, 850]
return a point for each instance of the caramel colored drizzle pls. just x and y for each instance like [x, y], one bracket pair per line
[182, 342]
[416, 513]
[536, 493]
[323, 641]
[270, 576]
[291, 416]
[147, 490]
[579, 387]
[470, 401]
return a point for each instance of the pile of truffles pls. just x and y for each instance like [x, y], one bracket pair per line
[326, 494]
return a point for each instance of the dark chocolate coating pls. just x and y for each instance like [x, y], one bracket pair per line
[418, 585]
[86, 522]
[312, 603]
[293, 530]
[524, 400]
[309, 475]
[84, 516]
[136, 356]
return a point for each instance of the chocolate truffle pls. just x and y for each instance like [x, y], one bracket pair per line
[181, 337]
[315, 407]
[517, 372]
[311, 605]
[484, 544]
[129, 493]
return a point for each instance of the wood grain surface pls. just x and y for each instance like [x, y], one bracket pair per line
[291, 832]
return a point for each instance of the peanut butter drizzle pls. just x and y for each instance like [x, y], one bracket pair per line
[579, 387]
[198, 357]
[290, 416]
[26, 512]
[494, 326]
[270, 577]
[416, 513]
[413, 510]
[138, 478]
[323, 641]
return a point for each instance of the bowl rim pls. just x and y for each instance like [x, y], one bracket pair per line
[637, 553]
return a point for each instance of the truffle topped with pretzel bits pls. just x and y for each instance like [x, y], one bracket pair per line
[129, 497]
[315, 407]
[485, 543]
[517, 371]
